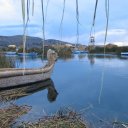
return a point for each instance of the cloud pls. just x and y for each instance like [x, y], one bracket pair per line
[6, 7]
[121, 43]
[19, 26]
[9, 13]
[18, 29]
[112, 32]
[115, 36]
[11, 20]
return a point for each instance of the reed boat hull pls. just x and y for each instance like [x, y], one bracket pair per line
[23, 80]
[10, 77]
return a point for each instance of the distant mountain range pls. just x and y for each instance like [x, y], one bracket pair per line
[30, 41]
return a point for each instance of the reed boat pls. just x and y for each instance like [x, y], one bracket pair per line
[11, 77]
[124, 53]
[32, 54]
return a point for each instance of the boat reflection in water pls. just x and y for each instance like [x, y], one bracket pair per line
[91, 58]
[9, 94]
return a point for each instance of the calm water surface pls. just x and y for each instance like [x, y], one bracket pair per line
[90, 84]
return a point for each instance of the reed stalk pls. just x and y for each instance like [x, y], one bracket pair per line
[64, 118]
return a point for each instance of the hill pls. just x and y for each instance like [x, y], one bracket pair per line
[30, 41]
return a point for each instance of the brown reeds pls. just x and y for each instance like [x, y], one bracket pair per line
[63, 119]
[12, 94]
[8, 115]
[6, 62]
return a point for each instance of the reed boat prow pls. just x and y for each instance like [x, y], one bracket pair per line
[15, 77]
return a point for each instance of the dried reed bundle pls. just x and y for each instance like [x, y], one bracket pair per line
[6, 63]
[63, 119]
[10, 114]
[12, 94]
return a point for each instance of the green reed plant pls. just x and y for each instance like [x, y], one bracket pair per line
[6, 62]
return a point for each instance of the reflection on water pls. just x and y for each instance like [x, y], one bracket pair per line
[81, 56]
[91, 58]
[79, 85]
[105, 82]
[123, 57]
[18, 92]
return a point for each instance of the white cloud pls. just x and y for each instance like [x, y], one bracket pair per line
[121, 43]
[6, 7]
[116, 36]
[112, 32]
[10, 14]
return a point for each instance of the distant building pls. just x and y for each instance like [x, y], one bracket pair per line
[11, 46]
[68, 45]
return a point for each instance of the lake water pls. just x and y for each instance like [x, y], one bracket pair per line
[90, 84]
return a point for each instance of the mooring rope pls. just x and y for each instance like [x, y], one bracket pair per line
[94, 18]
[62, 18]
[61, 25]
[24, 32]
[32, 7]
[77, 21]
[105, 39]
[25, 23]
[43, 27]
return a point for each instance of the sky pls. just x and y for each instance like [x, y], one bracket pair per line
[11, 22]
